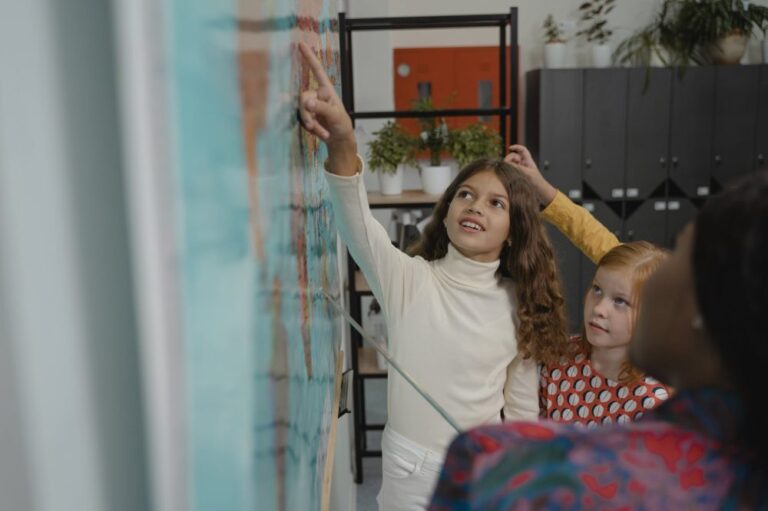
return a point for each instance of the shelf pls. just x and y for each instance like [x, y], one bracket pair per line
[366, 363]
[410, 198]
[361, 285]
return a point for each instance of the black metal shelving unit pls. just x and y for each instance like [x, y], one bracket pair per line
[507, 114]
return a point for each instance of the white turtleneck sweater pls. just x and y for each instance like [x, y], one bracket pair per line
[450, 324]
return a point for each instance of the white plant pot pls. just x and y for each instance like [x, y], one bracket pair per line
[765, 51]
[554, 55]
[391, 184]
[601, 55]
[659, 57]
[729, 49]
[435, 179]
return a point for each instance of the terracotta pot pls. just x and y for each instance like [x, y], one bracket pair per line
[729, 49]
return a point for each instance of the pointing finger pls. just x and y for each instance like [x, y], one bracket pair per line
[314, 65]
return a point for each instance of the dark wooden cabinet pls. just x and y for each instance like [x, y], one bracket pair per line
[690, 144]
[642, 148]
[648, 99]
[761, 131]
[605, 122]
[569, 264]
[555, 109]
[737, 92]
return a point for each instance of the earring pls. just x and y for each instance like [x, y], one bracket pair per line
[697, 323]
[509, 243]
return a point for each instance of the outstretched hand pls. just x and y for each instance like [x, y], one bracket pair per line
[322, 113]
[520, 157]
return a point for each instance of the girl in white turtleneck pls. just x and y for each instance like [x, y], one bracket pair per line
[469, 312]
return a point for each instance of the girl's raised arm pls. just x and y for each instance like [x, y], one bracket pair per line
[576, 223]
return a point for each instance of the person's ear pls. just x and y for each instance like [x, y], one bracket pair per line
[697, 323]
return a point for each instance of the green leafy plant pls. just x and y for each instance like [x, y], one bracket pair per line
[695, 25]
[643, 45]
[552, 31]
[475, 141]
[759, 16]
[392, 147]
[434, 133]
[595, 13]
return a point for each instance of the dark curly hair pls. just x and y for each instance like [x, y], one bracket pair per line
[529, 261]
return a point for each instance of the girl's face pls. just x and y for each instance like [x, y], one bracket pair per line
[478, 217]
[608, 309]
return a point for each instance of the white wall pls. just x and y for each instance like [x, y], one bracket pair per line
[68, 325]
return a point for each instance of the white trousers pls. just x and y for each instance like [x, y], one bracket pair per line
[409, 473]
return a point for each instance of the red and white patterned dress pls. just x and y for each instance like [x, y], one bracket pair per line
[573, 391]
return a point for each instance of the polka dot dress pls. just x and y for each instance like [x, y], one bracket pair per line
[573, 391]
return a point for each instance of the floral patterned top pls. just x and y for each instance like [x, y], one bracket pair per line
[679, 456]
[573, 391]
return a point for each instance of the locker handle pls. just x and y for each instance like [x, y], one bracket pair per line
[760, 158]
[718, 159]
[675, 161]
[546, 164]
[663, 162]
[630, 235]
[588, 162]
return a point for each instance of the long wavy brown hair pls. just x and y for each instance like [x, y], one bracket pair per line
[528, 260]
[640, 259]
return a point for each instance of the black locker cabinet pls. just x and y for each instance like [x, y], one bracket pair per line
[735, 121]
[554, 113]
[646, 221]
[648, 100]
[761, 133]
[680, 211]
[569, 264]
[643, 147]
[693, 95]
[605, 100]
[554, 118]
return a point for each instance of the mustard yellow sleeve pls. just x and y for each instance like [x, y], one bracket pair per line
[579, 226]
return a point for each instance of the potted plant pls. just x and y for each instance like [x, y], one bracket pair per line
[595, 13]
[388, 152]
[433, 137]
[759, 15]
[554, 43]
[473, 142]
[645, 47]
[715, 31]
